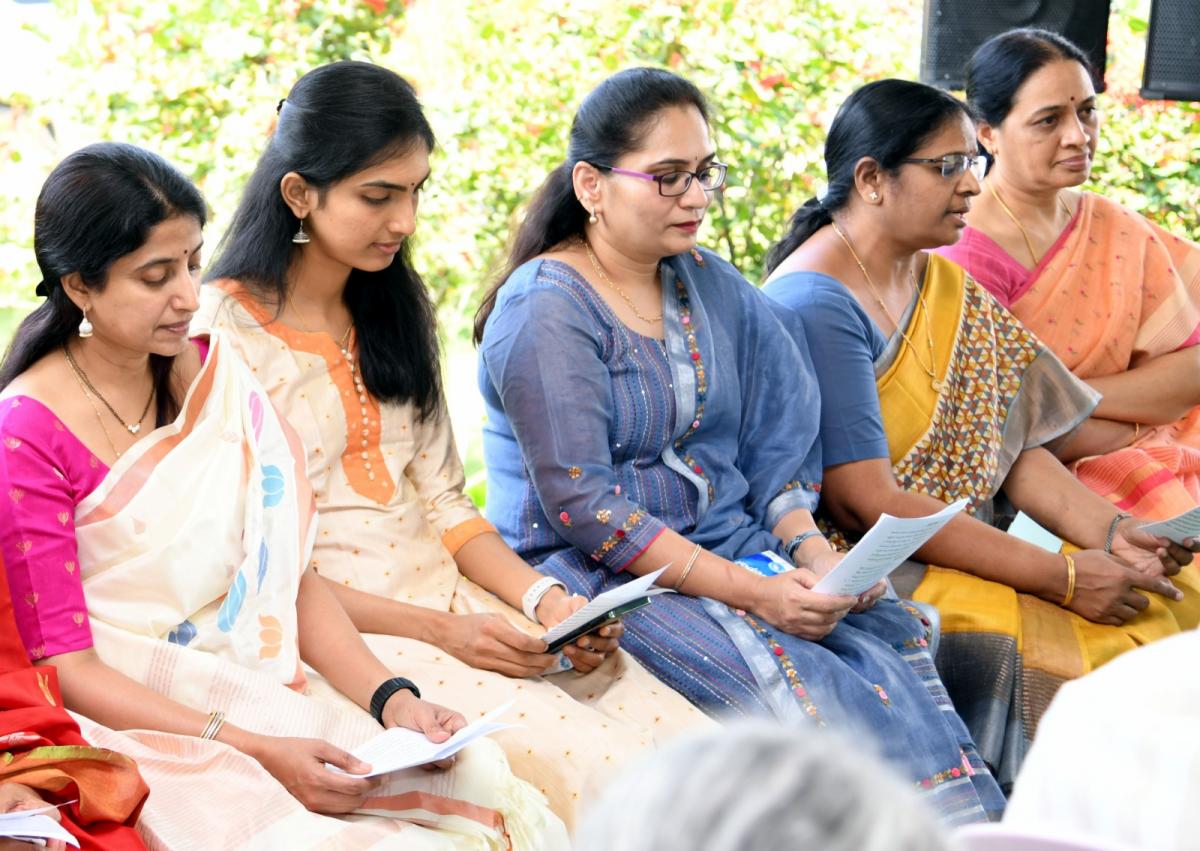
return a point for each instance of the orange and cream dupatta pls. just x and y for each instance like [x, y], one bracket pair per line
[191, 552]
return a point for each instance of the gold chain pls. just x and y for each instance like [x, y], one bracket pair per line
[342, 344]
[912, 278]
[1024, 234]
[82, 378]
[650, 320]
[91, 399]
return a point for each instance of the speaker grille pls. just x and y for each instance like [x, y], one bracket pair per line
[1173, 51]
[955, 28]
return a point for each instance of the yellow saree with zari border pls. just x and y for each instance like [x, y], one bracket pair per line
[1002, 654]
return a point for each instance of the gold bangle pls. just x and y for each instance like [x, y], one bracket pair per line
[215, 721]
[1070, 581]
[687, 568]
[1137, 429]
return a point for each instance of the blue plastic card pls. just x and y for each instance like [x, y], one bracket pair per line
[767, 563]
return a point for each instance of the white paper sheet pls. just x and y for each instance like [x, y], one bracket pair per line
[34, 826]
[398, 747]
[609, 600]
[884, 548]
[1025, 528]
[1179, 528]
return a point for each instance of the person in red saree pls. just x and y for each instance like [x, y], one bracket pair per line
[45, 760]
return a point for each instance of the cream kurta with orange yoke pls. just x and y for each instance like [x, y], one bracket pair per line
[392, 513]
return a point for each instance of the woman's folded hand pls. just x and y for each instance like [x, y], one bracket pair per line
[489, 642]
[405, 709]
[589, 651]
[787, 602]
[1106, 588]
[300, 766]
[1152, 555]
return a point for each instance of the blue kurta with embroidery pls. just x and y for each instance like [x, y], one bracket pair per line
[599, 438]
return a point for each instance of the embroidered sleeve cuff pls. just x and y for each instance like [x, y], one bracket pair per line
[629, 540]
[454, 539]
[791, 497]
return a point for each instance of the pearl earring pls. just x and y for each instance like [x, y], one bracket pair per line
[85, 327]
[592, 218]
[300, 237]
[874, 196]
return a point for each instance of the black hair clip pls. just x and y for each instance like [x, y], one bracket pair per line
[279, 108]
[41, 289]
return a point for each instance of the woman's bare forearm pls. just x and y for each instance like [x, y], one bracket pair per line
[1095, 436]
[1047, 491]
[331, 644]
[105, 695]
[1159, 391]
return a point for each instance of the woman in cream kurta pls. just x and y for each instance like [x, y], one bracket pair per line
[392, 515]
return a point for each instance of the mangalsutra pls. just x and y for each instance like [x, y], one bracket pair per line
[607, 280]
[929, 370]
[81, 377]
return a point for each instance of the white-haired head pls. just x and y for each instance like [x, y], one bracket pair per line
[761, 786]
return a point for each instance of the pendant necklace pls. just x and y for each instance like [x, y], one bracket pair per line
[91, 391]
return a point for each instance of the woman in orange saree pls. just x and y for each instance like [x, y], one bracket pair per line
[41, 749]
[1115, 296]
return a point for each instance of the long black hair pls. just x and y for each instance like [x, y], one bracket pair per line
[336, 121]
[612, 121]
[97, 205]
[886, 120]
[1002, 64]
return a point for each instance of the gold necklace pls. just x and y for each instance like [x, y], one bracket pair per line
[912, 278]
[650, 320]
[91, 399]
[342, 344]
[1024, 234]
[81, 377]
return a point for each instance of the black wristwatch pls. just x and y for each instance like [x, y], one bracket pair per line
[384, 693]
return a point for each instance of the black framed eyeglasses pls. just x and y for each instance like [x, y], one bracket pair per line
[676, 183]
[954, 165]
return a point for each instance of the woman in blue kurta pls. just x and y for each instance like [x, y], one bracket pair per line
[647, 405]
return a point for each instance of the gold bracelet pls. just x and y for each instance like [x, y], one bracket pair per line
[687, 568]
[1137, 429]
[215, 721]
[1070, 581]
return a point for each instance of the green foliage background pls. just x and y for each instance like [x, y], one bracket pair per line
[199, 80]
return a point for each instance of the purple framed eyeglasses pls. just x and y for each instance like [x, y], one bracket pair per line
[676, 183]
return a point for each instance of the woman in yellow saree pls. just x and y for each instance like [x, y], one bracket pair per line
[931, 392]
[1115, 296]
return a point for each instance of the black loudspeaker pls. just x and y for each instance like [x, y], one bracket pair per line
[955, 28]
[1173, 51]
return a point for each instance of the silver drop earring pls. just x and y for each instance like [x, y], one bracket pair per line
[300, 237]
[85, 327]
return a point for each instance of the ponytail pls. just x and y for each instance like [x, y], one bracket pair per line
[806, 221]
